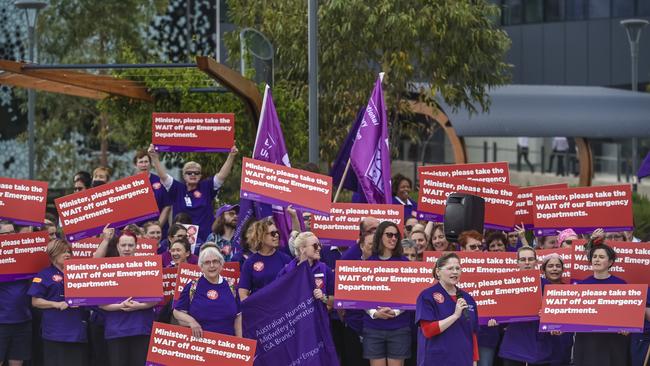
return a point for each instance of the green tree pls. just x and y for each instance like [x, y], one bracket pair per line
[450, 45]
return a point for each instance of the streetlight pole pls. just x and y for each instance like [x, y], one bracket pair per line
[633, 29]
[31, 9]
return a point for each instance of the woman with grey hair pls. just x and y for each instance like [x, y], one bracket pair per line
[209, 303]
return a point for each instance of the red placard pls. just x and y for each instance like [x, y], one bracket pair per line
[175, 345]
[23, 255]
[85, 248]
[567, 257]
[170, 275]
[367, 284]
[23, 201]
[119, 203]
[593, 308]
[498, 172]
[506, 298]
[525, 205]
[193, 132]
[499, 199]
[99, 281]
[479, 262]
[192, 272]
[281, 185]
[632, 262]
[341, 227]
[583, 209]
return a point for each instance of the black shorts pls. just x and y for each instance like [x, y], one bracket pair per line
[16, 341]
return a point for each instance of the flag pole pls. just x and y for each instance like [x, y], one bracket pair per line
[345, 174]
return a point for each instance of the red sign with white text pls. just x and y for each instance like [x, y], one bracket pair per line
[85, 248]
[498, 172]
[193, 132]
[583, 209]
[593, 308]
[170, 274]
[23, 201]
[99, 281]
[23, 255]
[525, 204]
[119, 203]
[367, 284]
[281, 185]
[499, 199]
[479, 262]
[567, 258]
[506, 298]
[341, 227]
[632, 262]
[175, 345]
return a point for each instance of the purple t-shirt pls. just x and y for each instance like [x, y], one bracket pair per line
[454, 346]
[14, 302]
[401, 321]
[213, 305]
[323, 275]
[196, 203]
[120, 324]
[611, 280]
[159, 192]
[69, 325]
[353, 253]
[260, 270]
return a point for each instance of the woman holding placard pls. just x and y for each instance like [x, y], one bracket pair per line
[552, 269]
[209, 303]
[386, 331]
[603, 349]
[194, 195]
[127, 324]
[64, 329]
[447, 318]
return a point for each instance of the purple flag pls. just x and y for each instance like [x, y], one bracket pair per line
[270, 147]
[290, 326]
[644, 169]
[370, 153]
[338, 168]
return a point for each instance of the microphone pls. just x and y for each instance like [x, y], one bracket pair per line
[459, 295]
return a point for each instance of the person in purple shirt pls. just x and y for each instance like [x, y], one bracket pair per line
[15, 316]
[178, 253]
[387, 331]
[194, 196]
[402, 187]
[262, 267]
[640, 342]
[602, 349]
[127, 324]
[142, 164]
[208, 304]
[64, 329]
[153, 230]
[552, 269]
[522, 343]
[367, 226]
[447, 319]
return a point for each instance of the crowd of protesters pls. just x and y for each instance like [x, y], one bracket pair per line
[38, 327]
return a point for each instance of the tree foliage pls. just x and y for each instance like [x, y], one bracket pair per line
[449, 46]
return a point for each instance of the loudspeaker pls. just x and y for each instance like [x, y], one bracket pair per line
[463, 212]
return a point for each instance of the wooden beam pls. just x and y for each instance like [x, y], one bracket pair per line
[100, 83]
[27, 82]
[457, 143]
[586, 161]
[244, 88]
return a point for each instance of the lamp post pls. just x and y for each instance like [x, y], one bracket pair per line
[633, 29]
[31, 9]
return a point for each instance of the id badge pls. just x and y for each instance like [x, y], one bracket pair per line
[188, 201]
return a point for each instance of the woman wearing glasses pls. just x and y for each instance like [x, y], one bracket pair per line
[194, 196]
[386, 331]
[178, 234]
[522, 343]
[447, 319]
[470, 241]
[308, 249]
[262, 267]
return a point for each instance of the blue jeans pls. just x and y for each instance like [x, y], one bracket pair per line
[486, 356]
[639, 348]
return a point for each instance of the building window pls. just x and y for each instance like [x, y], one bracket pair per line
[644, 8]
[623, 8]
[554, 10]
[599, 9]
[576, 9]
[512, 12]
[534, 11]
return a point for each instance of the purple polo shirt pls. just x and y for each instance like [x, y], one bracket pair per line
[611, 280]
[197, 203]
[260, 270]
[69, 325]
[323, 275]
[213, 306]
[353, 253]
[159, 192]
[121, 324]
[401, 321]
[14, 302]
[409, 206]
[454, 346]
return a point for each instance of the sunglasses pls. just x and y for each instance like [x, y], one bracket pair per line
[317, 245]
[408, 227]
[193, 173]
[391, 235]
[473, 246]
[274, 233]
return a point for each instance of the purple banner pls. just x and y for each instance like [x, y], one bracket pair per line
[98, 230]
[87, 301]
[172, 148]
[507, 319]
[16, 277]
[274, 201]
[23, 222]
[578, 230]
[337, 242]
[289, 324]
[365, 305]
[583, 328]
